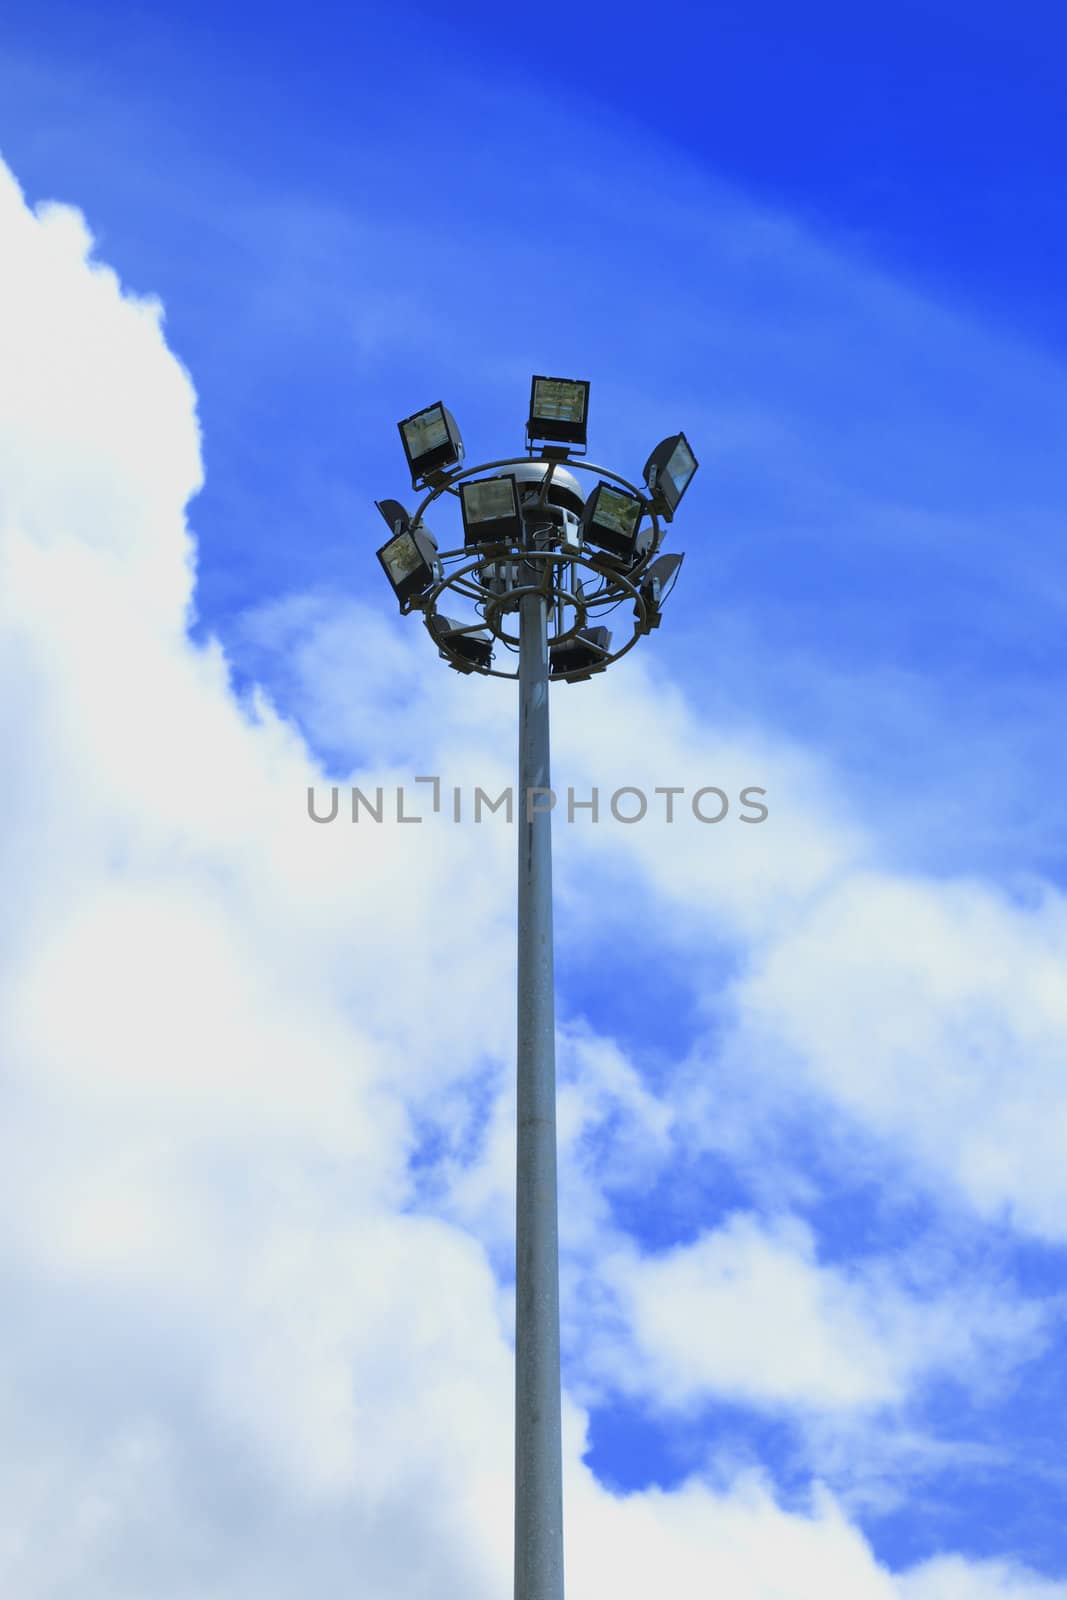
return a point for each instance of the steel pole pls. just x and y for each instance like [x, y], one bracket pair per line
[538, 1442]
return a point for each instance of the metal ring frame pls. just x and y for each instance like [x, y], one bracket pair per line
[616, 586]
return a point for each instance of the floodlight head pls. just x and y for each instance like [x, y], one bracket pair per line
[668, 473]
[585, 652]
[656, 585]
[397, 519]
[491, 511]
[432, 443]
[558, 410]
[473, 647]
[612, 519]
[409, 560]
[664, 572]
[641, 550]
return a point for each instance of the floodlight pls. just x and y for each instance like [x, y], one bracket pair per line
[668, 472]
[558, 410]
[397, 519]
[473, 646]
[585, 651]
[641, 550]
[491, 512]
[432, 443]
[410, 561]
[656, 585]
[612, 518]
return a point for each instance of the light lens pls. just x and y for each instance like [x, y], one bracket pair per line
[490, 500]
[402, 557]
[425, 432]
[681, 466]
[619, 512]
[559, 400]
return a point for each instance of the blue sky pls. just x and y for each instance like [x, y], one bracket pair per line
[812, 1095]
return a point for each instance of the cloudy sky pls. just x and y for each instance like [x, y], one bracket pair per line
[257, 1091]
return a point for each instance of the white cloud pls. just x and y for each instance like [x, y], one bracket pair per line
[935, 1013]
[233, 1364]
[207, 1045]
[91, 375]
[855, 1341]
[696, 1543]
[748, 1312]
[950, 1578]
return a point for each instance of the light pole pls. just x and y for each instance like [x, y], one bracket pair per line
[529, 535]
[538, 1445]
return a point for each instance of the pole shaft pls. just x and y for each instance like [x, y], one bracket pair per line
[538, 1443]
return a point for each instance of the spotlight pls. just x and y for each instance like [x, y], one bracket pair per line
[432, 443]
[395, 516]
[558, 410]
[409, 560]
[586, 651]
[491, 513]
[656, 585]
[668, 472]
[473, 646]
[611, 520]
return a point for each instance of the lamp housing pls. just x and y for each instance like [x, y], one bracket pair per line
[473, 647]
[409, 561]
[432, 443]
[491, 511]
[641, 550]
[395, 516]
[559, 409]
[668, 473]
[586, 651]
[656, 584]
[612, 519]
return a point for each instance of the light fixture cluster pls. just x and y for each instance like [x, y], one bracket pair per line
[536, 505]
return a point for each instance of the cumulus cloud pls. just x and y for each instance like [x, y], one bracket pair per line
[748, 1314]
[949, 1578]
[748, 1311]
[237, 1361]
[934, 1013]
[695, 1542]
[205, 1116]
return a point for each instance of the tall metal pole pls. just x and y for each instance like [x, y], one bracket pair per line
[538, 1442]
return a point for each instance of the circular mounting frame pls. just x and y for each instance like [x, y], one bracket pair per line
[495, 576]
